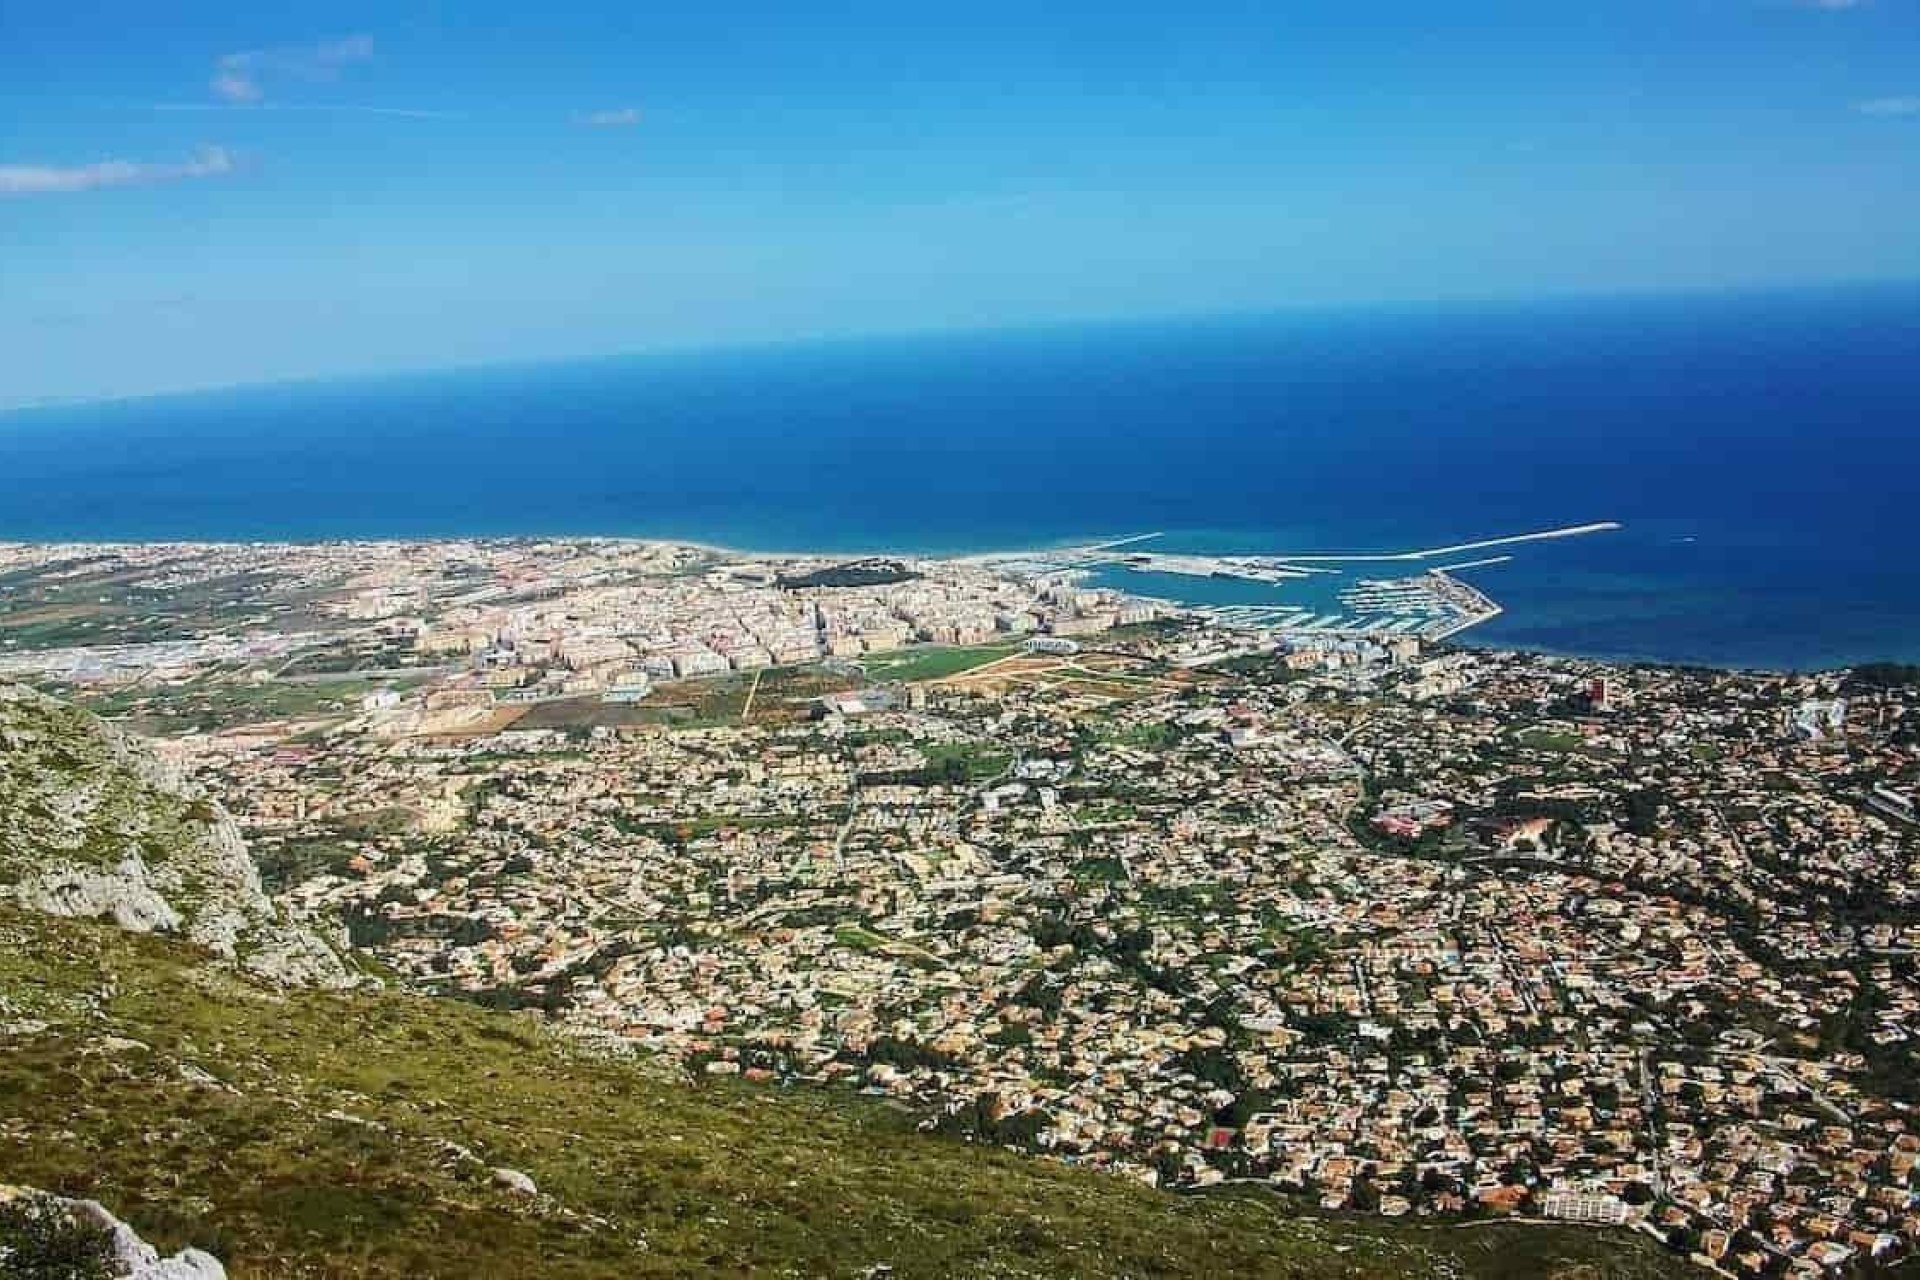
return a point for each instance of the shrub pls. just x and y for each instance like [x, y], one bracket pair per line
[43, 1239]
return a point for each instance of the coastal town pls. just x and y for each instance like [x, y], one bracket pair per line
[1383, 925]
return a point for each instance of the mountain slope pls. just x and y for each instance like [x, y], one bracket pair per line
[93, 825]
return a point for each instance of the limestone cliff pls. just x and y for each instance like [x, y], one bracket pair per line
[94, 825]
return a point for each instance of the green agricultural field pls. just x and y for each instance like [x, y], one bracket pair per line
[38, 611]
[933, 662]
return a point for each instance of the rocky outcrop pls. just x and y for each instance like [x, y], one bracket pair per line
[124, 1253]
[122, 894]
[94, 825]
[515, 1181]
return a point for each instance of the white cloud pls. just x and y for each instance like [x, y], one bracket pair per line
[621, 118]
[235, 85]
[241, 78]
[1903, 106]
[35, 179]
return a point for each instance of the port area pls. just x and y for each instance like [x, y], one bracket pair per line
[1430, 607]
[1430, 603]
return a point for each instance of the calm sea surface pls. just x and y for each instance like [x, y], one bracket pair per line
[1763, 452]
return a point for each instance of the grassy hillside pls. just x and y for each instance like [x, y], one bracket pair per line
[312, 1134]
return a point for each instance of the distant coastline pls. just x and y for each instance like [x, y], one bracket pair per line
[1758, 452]
[1060, 561]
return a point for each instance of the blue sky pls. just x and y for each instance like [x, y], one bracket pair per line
[238, 193]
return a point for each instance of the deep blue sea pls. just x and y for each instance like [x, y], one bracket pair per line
[1763, 452]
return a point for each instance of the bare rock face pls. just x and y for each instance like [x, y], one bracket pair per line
[141, 1260]
[131, 1257]
[94, 825]
[122, 894]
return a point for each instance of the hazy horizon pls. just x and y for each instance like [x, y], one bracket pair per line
[1331, 312]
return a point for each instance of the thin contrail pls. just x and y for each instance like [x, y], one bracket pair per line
[346, 108]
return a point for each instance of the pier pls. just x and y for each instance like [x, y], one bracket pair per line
[1459, 548]
[1275, 568]
[1432, 604]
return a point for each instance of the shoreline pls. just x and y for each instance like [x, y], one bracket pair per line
[1416, 558]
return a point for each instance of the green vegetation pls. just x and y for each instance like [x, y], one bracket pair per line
[110, 605]
[1150, 735]
[1106, 869]
[53, 626]
[42, 1240]
[1258, 668]
[933, 662]
[325, 848]
[53, 748]
[223, 703]
[855, 573]
[353, 1135]
[949, 764]
[1104, 811]
[967, 761]
[1295, 945]
[708, 824]
[1157, 629]
[1554, 740]
[706, 702]
[286, 863]
[857, 938]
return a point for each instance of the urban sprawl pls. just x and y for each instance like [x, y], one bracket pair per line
[1383, 926]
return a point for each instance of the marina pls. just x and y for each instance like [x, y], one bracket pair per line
[1430, 604]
